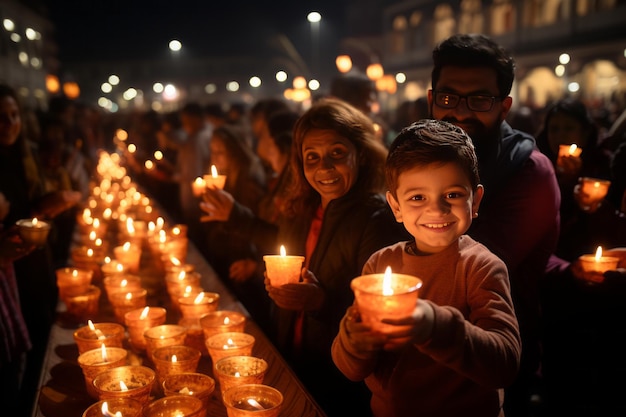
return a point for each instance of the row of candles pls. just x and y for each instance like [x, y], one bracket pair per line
[124, 386]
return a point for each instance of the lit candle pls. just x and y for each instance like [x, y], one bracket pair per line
[72, 281]
[388, 295]
[222, 345]
[237, 370]
[99, 360]
[128, 255]
[123, 302]
[117, 407]
[593, 190]
[598, 262]
[570, 150]
[249, 400]
[80, 307]
[175, 359]
[222, 321]
[215, 180]
[198, 186]
[179, 406]
[283, 269]
[33, 231]
[139, 320]
[164, 335]
[93, 335]
[190, 383]
[197, 306]
[128, 381]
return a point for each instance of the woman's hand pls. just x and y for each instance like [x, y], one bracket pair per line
[302, 296]
[217, 204]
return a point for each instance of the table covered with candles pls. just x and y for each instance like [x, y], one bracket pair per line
[63, 391]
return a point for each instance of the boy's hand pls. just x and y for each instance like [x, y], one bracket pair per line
[360, 336]
[415, 329]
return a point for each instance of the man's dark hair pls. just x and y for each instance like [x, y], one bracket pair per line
[471, 51]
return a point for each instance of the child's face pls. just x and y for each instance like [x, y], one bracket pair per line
[436, 204]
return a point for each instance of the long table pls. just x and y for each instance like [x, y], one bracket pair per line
[62, 388]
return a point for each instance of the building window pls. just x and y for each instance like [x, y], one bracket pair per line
[398, 35]
[471, 20]
[444, 23]
[502, 17]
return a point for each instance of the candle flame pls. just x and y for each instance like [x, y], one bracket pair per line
[74, 273]
[198, 298]
[92, 235]
[89, 252]
[103, 349]
[119, 267]
[229, 344]
[144, 313]
[129, 295]
[181, 275]
[387, 290]
[188, 290]
[226, 320]
[90, 324]
[213, 171]
[124, 283]
[176, 231]
[185, 391]
[126, 246]
[35, 221]
[283, 252]
[599, 254]
[123, 386]
[254, 403]
[572, 149]
[174, 261]
[237, 374]
[174, 359]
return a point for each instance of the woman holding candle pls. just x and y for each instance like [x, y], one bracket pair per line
[461, 345]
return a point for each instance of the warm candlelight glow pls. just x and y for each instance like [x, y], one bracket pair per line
[572, 149]
[213, 172]
[103, 349]
[198, 298]
[387, 289]
[35, 221]
[282, 269]
[144, 313]
[598, 253]
[254, 403]
[283, 251]
[174, 359]
[123, 386]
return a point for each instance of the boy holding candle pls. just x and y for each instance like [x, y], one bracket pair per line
[461, 346]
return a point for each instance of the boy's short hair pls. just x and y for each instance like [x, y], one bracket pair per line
[428, 142]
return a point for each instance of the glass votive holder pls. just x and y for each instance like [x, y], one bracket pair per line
[222, 321]
[199, 304]
[195, 334]
[169, 360]
[121, 283]
[126, 407]
[175, 406]
[84, 257]
[164, 335]
[112, 268]
[222, 345]
[141, 319]
[252, 400]
[128, 381]
[387, 295]
[173, 267]
[176, 247]
[199, 385]
[183, 292]
[83, 306]
[96, 361]
[72, 281]
[123, 302]
[238, 370]
[109, 334]
[593, 190]
[283, 269]
[33, 231]
[129, 255]
[176, 283]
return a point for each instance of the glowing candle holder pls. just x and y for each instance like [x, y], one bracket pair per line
[109, 334]
[598, 262]
[195, 335]
[198, 186]
[128, 255]
[173, 267]
[214, 180]
[111, 268]
[126, 407]
[388, 295]
[95, 361]
[176, 284]
[175, 406]
[253, 400]
[73, 281]
[169, 360]
[196, 306]
[83, 306]
[199, 385]
[238, 370]
[128, 381]
[176, 247]
[164, 335]
[570, 150]
[223, 345]
[84, 257]
[139, 320]
[33, 231]
[282, 269]
[593, 190]
[121, 283]
[123, 302]
[222, 321]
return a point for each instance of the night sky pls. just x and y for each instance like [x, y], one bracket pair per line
[123, 29]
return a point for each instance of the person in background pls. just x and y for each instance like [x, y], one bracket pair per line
[471, 81]
[21, 184]
[460, 346]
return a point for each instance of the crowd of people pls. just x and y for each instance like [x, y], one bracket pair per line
[457, 189]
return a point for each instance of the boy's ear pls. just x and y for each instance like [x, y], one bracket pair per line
[395, 207]
[478, 196]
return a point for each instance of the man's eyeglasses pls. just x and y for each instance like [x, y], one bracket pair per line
[473, 102]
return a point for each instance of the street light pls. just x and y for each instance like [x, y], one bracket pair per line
[314, 18]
